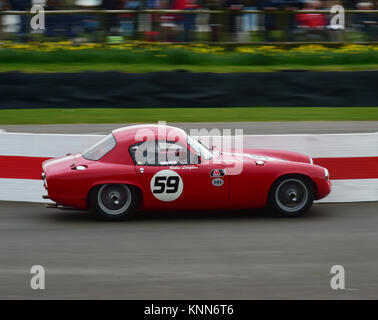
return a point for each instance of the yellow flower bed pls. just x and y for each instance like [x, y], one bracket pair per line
[197, 48]
[138, 52]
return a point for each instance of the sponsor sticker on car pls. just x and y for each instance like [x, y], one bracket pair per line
[217, 182]
[217, 173]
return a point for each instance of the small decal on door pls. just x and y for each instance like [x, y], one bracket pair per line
[217, 182]
[217, 173]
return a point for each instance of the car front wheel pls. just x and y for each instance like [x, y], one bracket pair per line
[292, 196]
[114, 201]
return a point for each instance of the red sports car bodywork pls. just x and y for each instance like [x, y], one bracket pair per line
[206, 183]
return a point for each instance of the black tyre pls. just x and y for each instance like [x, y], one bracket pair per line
[292, 196]
[114, 201]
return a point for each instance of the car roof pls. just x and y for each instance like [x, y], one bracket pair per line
[144, 132]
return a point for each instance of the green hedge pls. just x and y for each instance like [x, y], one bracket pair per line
[200, 55]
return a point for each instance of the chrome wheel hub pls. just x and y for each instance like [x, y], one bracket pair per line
[114, 199]
[291, 195]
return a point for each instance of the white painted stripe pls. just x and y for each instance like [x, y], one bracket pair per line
[44, 145]
[358, 190]
[342, 190]
[22, 190]
[317, 145]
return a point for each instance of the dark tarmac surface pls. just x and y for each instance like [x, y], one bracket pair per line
[201, 255]
[310, 127]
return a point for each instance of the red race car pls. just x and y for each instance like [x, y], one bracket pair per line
[150, 167]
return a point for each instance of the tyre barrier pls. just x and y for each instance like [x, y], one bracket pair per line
[180, 89]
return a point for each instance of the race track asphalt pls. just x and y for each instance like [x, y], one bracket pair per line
[309, 127]
[192, 255]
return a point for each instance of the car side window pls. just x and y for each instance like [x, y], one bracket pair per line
[159, 153]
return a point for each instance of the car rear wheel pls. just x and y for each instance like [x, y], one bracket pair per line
[292, 195]
[114, 201]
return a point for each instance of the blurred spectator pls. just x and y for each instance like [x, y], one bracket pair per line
[189, 20]
[182, 27]
[180, 18]
[312, 24]
[250, 20]
[63, 25]
[311, 20]
[4, 5]
[287, 22]
[234, 7]
[215, 20]
[367, 23]
[270, 21]
[167, 24]
[154, 20]
[109, 21]
[57, 24]
[87, 24]
[129, 22]
[72, 20]
[22, 5]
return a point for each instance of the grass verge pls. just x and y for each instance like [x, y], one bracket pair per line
[134, 57]
[66, 116]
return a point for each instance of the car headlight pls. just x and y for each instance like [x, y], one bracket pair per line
[326, 173]
[44, 179]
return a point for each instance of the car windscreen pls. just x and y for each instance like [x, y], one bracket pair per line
[100, 149]
[199, 148]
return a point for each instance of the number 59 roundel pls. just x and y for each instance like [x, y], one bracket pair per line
[166, 185]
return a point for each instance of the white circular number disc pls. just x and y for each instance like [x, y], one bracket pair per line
[166, 185]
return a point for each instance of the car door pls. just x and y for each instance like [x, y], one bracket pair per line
[182, 184]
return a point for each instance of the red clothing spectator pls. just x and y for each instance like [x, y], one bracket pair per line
[178, 5]
[311, 20]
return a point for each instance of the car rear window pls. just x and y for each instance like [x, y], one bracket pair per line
[100, 149]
